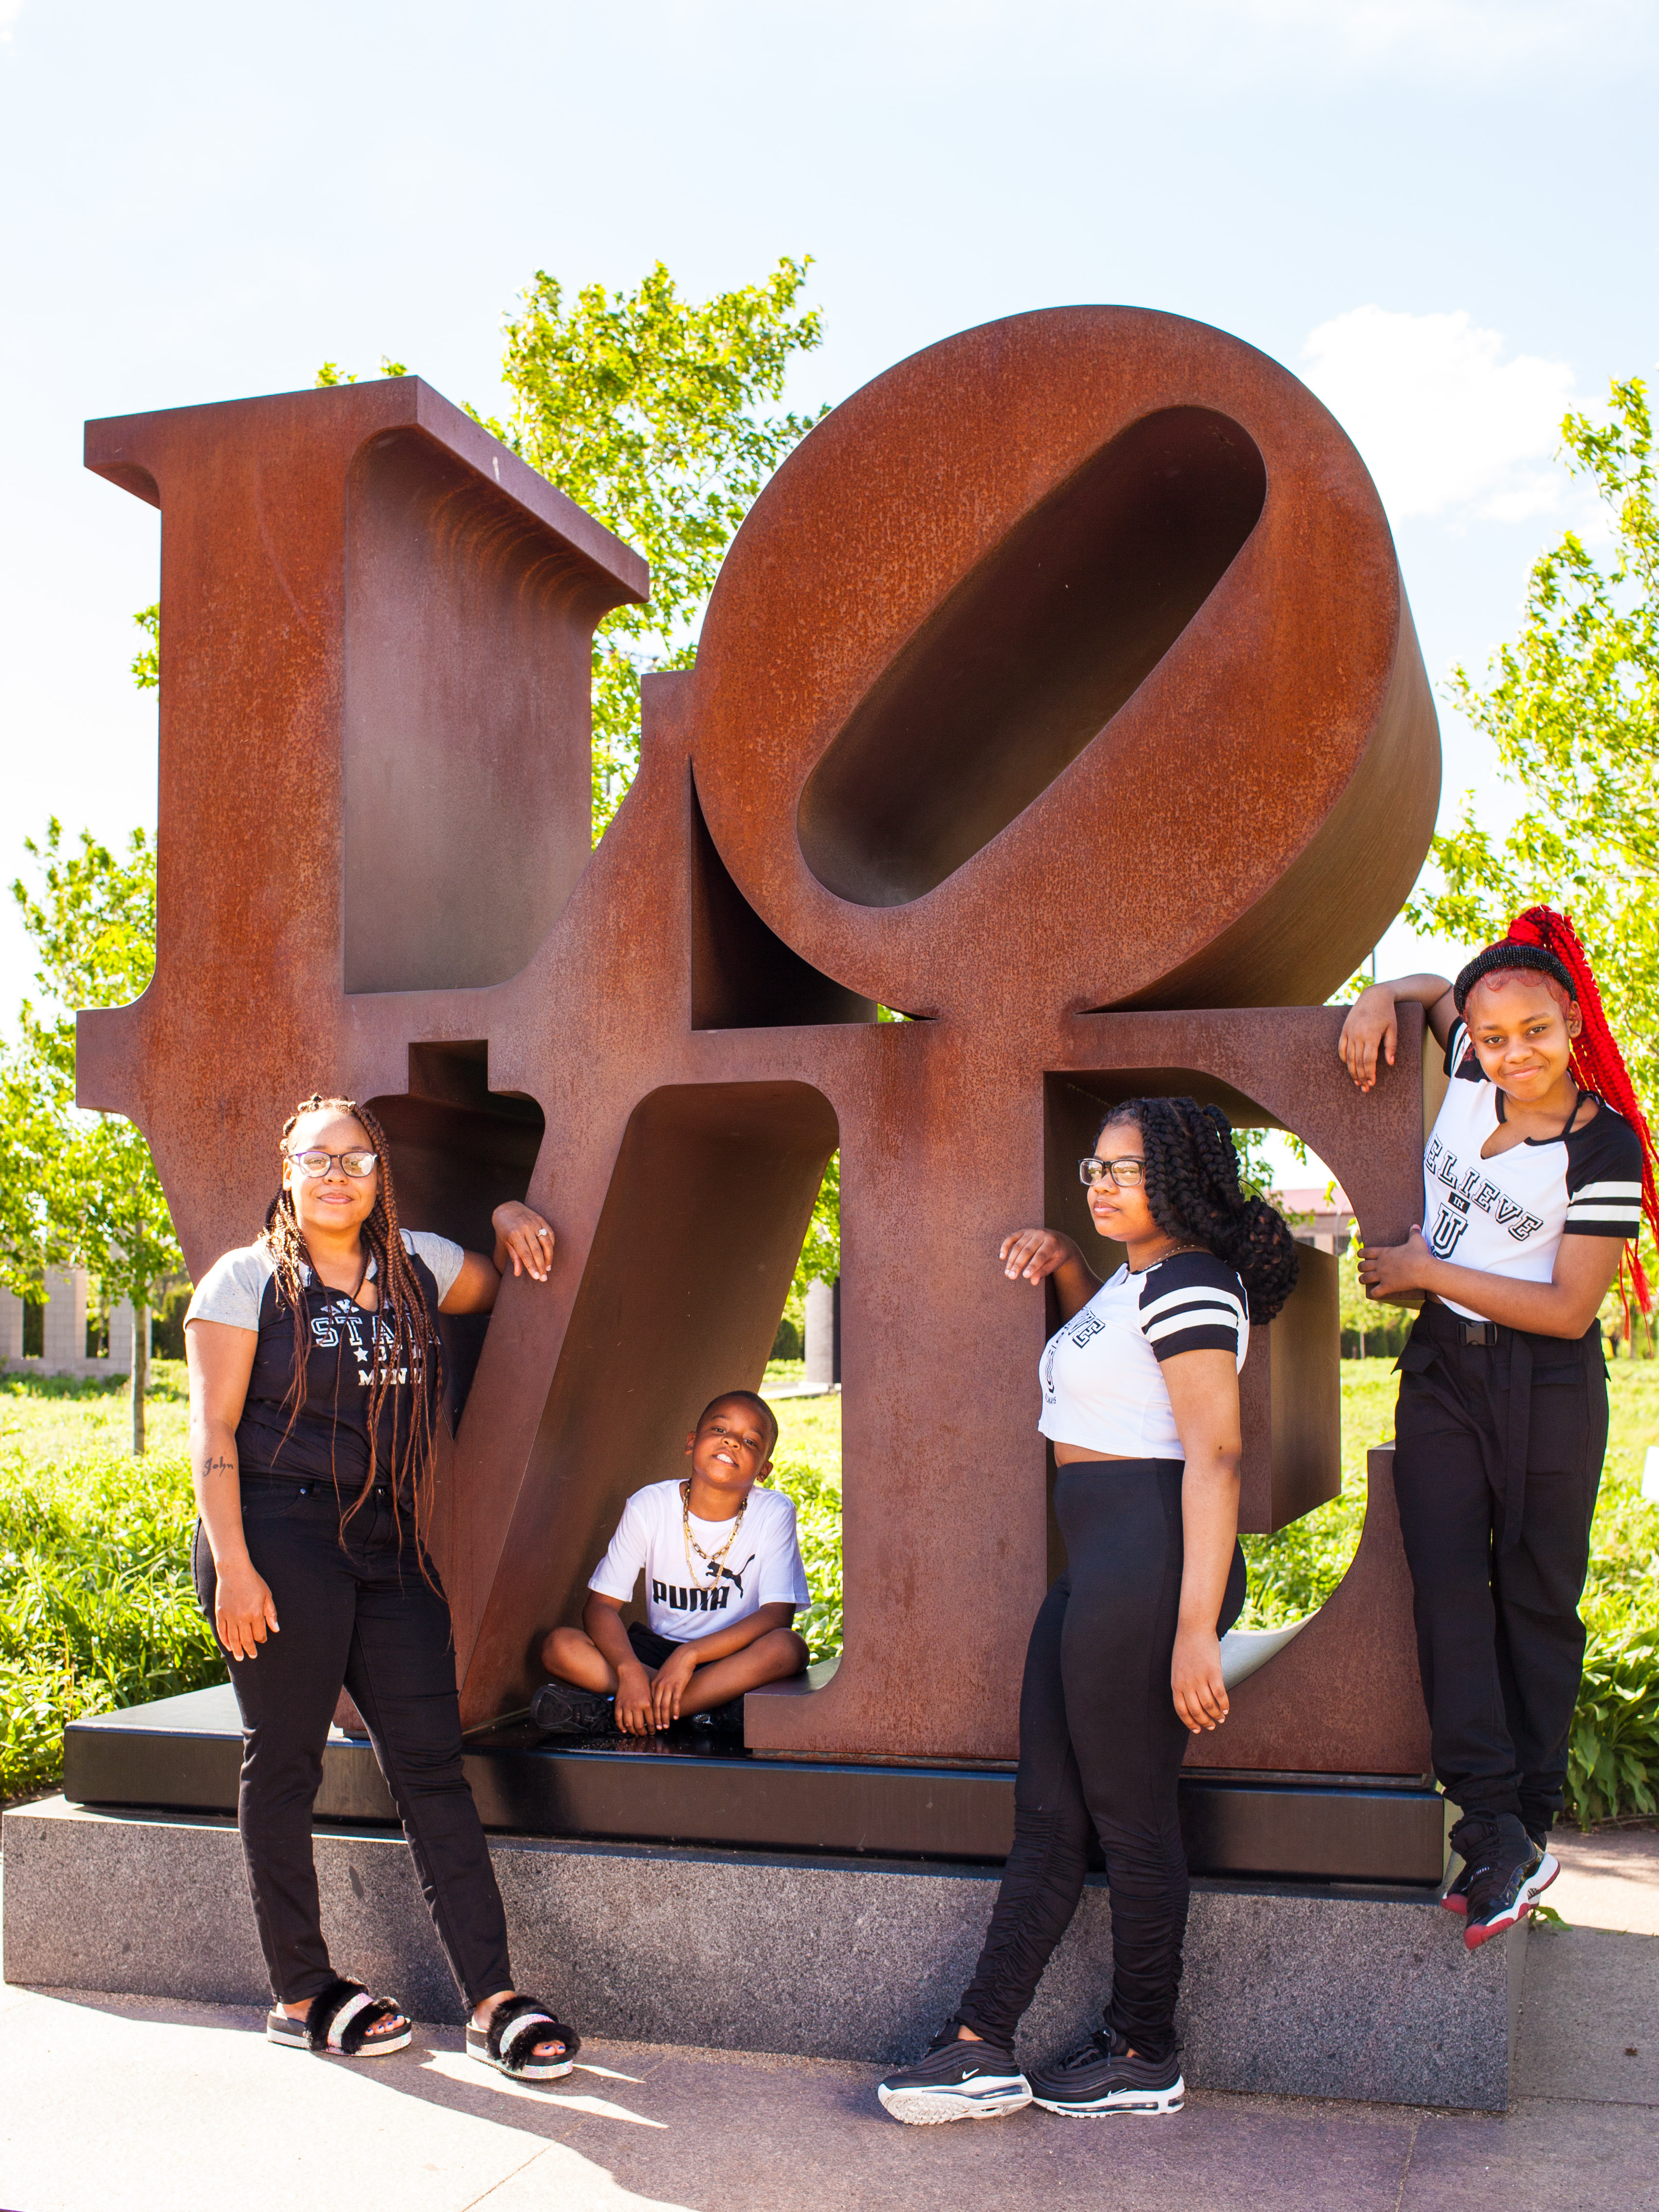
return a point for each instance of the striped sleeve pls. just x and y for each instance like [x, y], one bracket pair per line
[1462, 1059]
[1192, 1303]
[1604, 1179]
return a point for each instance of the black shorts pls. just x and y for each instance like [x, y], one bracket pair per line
[650, 1649]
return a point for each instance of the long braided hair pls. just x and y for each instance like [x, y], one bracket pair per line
[1544, 946]
[412, 1348]
[1192, 1188]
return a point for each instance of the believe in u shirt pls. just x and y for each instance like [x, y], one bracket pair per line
[1507, 1215]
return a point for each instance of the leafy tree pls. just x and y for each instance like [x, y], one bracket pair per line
[146, 661]
[83, 1186]
[645, 409]
[1572, 707]
[332, 373]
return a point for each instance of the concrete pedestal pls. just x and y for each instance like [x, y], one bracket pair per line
[1336, 1991]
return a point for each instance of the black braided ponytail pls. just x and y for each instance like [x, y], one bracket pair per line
[1192, 1188]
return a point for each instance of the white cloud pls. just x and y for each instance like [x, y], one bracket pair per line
[10, 11]
[1444, 422]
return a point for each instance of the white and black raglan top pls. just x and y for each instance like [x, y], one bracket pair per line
[1507, 1216]
[1103, 1387]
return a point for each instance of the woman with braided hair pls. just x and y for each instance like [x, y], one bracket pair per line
[1539, 1168]
[315, 1373]
[1140, 1400]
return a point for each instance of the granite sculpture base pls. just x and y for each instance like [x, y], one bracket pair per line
[1344, 1990]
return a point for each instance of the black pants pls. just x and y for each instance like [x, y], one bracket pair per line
[361, 1613]
[1100, 1750]
[1498, 1459]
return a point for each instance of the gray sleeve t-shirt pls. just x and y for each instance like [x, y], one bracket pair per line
[234, 1287]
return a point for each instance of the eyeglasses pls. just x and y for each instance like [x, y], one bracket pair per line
[318, 1163]
[1128, 1173]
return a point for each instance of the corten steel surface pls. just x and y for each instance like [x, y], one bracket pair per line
[1064, 668]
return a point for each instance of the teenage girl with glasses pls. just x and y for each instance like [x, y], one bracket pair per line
[1540, 1166]
[1141, 1398]
[315, 1370]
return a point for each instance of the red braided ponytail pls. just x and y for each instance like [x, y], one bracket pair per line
[1598, 1063]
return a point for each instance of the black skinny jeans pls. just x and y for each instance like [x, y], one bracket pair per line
[361, 1613]
[1488, 1447]
[1100, 1750]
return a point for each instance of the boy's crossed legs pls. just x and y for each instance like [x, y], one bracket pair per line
[677, 1680]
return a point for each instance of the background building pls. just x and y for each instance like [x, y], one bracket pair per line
[72, 1334]
[1318, 1214]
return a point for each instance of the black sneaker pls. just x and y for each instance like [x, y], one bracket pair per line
[1457, 1896]
[1510, 1873]
[959, 2079]
[724, 1720]
[561, 1709]
[1101, 2077]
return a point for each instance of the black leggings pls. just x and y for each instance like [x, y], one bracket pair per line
[1100, 1749]
[361, 1613]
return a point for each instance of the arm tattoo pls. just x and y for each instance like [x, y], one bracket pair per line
[217, 1466]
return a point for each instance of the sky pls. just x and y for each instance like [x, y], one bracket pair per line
[1437, 213]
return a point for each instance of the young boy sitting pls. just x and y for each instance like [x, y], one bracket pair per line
[723, 1581]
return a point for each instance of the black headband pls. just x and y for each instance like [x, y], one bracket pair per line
[1512, 955]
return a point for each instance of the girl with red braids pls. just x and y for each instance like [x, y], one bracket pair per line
[1540, 1168]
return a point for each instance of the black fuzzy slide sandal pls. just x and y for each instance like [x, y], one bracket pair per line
[516, 2027]
[339, 2022]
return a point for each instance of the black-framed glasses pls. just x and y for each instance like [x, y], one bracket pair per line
[1128, 1173]
[318, 1163]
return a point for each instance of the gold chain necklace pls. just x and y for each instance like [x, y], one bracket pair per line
[715, 1562]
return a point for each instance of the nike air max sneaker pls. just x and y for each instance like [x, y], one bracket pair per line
[1101, 2077]
[561, 1709]
[957, 2079]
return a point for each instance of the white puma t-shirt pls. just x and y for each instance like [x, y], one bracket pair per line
[685, 1596]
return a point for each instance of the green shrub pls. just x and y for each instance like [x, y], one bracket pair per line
[817, 1511]
[96, 1605]
[1294, 1571]
[1612, 1758]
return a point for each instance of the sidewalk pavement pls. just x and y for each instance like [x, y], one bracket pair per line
[134, 2103]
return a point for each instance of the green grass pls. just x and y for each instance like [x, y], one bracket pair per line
[96, 1608]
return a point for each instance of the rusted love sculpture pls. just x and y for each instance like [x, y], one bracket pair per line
[1062, 682]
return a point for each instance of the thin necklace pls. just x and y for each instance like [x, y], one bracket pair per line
[1566, 1126]
[362, 1273]
[1169, 1254]
[715, 1561]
